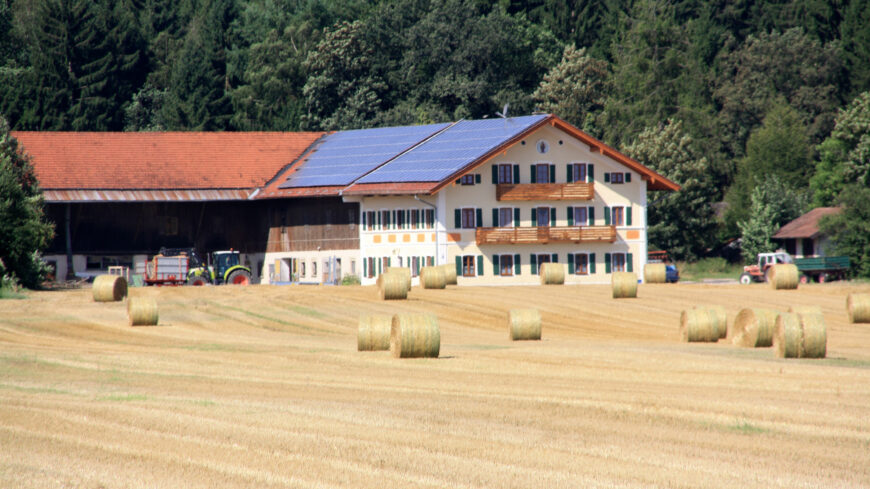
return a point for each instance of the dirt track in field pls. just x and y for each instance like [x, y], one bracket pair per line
[263, 387]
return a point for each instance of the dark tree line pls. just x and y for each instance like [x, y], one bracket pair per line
[728, 95]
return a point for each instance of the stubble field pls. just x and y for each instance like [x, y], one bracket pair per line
[262, 386]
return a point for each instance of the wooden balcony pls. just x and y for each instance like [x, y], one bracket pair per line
[546, 234]
[544, 191]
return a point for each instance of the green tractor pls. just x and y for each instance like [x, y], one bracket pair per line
[223, 267]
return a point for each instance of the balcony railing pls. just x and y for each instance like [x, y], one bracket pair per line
[544, 191]
[546, 234]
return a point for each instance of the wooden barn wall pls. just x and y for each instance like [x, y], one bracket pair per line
[133, 228]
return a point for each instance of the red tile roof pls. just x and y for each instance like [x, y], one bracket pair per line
[806, 226]
[161, 160]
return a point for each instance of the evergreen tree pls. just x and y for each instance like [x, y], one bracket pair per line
[849, 230]
[780, 148]
[575, 89]
[773, 204]
[24, 232]
[683, 222]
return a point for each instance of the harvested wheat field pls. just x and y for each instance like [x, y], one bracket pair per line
[263, 386]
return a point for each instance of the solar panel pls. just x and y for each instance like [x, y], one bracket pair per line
[344, 156]
[451, 150]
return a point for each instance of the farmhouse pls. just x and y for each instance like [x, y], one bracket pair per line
[801, 237]
[495, 197]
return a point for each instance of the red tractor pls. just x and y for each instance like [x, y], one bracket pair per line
[758, 272]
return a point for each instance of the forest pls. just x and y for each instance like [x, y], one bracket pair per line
[759, 109]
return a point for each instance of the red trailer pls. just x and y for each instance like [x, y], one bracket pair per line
[166, 270]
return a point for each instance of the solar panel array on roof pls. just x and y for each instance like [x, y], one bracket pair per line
[451, 150]
[344, 156]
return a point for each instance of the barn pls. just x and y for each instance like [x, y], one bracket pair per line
[495, 197]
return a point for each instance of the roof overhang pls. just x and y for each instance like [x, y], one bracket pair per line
[403, 188]
[60, 196]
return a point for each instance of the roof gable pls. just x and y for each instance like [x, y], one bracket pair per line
[807, 225]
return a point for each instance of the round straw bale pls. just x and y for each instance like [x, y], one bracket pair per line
[373, 333]
[721, 319]
[787, 335]
[392, 286]
[415, 335]
[109, 288]
[858, 308]
[814, 335]
[404, 272]
[805, 309]
[449, 274]
[624, 285]
[552, 274]
[783, 276]
[699, 325]
[524, 324]
[655, 273]
[754, 328]
[142, 311]
[433, 278]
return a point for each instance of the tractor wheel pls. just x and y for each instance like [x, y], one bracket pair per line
[804, 279]
[239, 277]
[823, 277]
[197, 280]
[745, 279]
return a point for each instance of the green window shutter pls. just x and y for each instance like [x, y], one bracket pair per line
[477, 177]
[607, 216]
[534, 261]
[606, 177]
[569, 175]
[590, 215]
[459, 266]
[590, 172]
[628, 212]
[393, 219]
[555, 257]
[516, 217]
[628, 177]
[571, 263]
[380, 266]
[495, 218]
[365, 267]
[516, 173]
[363, 220]
[379, 220]
[494, 174]
[534, 217]
[607, 263]
[389, 261]
[479, 214]
[457, 181]
[517, 264]
[591, 262]
[534, 174]
[629, 265]
[479, 265]
[552, 173]
[570, 216]
[495, 270]
[552, 216]
[457, 218]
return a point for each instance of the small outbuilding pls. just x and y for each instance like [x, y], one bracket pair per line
[801, 237]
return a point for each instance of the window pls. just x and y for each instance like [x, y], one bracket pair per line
[430, 261]
[385, 219]
[467, 179]
[616, 178]
[505, 174]
[542, 216]
[303, 269]
[400, 219]
[581, 216]
[581, 264]
[577, 172]
[505, 217]
[415, 266]
[314, 269]
[430, 218]
[468, 218]
[385, 263]
[618, 216]
[618, 262]
[542, 173]
[506, 265]
[370, 218]
[468, 266]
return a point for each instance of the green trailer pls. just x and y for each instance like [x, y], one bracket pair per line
[822, 268]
